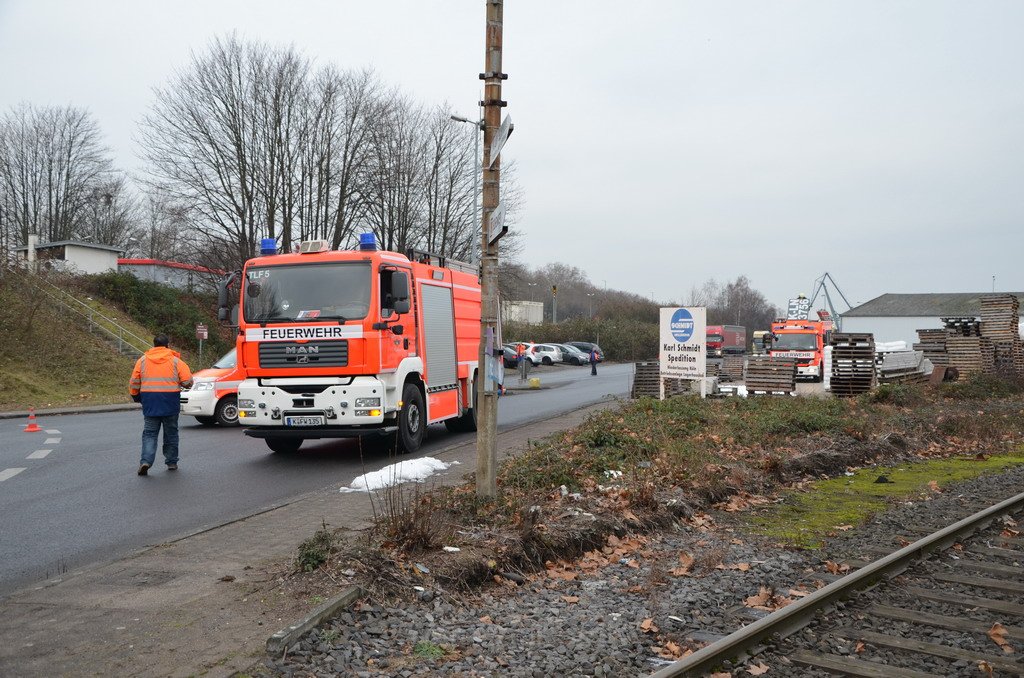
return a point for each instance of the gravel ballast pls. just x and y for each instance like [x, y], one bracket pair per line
[629, 617]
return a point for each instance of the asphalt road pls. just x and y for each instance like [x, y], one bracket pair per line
[81, 502]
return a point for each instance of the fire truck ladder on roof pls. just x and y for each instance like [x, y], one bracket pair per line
[432, 259]
[821, 286]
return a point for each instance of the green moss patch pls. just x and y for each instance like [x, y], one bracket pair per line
[805, 518]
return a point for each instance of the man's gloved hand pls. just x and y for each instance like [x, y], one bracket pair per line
[137, 398]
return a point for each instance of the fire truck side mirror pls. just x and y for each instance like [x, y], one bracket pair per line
[400, 291]
[226, 311]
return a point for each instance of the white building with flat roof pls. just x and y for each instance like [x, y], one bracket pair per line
[72, 256]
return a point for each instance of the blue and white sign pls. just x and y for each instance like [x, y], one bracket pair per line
[682, 324]
[682, 353]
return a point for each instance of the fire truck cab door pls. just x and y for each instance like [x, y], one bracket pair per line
[394, 293]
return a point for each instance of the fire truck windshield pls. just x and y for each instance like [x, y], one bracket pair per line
[306, 292]
[795, 342]
[714, 337]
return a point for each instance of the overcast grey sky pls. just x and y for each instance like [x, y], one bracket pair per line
[658, 143]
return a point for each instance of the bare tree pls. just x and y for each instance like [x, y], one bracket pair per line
[52, 163]
[256, 142]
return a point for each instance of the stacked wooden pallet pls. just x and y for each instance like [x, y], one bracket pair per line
[853, 364]
[933, 344]
[962, 326]
[646, 380]
[766, 375]
[901, 367]
[732, 367]
[971, 355]
[1000, 318]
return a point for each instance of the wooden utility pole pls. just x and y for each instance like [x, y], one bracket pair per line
[487, 398]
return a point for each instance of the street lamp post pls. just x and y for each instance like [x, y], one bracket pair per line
[591, 300]
[531, 286]
[477, 169]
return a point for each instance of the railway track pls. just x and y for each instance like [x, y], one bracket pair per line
[945, 604]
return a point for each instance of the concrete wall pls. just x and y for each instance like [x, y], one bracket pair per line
[531, 312]
[179, 278]
[899, 328]
[89, 260]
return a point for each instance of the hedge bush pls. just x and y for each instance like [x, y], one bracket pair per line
[623, 340]
[164, 309]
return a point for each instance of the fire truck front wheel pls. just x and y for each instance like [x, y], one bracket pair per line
[412, 420]
[284, 445]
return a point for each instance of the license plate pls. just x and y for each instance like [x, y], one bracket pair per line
[303, 421]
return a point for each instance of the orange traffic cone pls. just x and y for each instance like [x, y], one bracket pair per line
[32, 427]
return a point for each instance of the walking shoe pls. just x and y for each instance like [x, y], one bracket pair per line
[143, 469]
[172, 467]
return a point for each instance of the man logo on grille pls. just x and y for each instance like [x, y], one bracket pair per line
[302, 359]
[301, 350]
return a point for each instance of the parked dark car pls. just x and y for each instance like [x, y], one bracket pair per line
[586, 346]
[573, 355]
[509, 357]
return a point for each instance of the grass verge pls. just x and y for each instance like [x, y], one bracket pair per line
[806, 518]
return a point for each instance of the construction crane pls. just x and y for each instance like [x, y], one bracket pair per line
[821, 286]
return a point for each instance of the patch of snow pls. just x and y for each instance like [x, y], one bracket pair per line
[409, 470]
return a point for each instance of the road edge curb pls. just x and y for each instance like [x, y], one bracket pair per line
[286, 637]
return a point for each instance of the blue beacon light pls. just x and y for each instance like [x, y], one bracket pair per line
[268, 246]
[368, 242]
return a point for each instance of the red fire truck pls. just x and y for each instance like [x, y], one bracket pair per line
[803, 341]
[338, 344]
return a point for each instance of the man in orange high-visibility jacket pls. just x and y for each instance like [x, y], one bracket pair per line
[156, 382]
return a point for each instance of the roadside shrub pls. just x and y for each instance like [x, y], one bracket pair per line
[901, 395]
[315, 551]
[163, 309]
[409, 520]
[983, 386]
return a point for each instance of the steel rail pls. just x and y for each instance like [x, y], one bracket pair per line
[795, 616]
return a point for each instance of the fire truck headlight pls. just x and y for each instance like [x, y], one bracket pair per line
[246, 403]
[202, 386]
[367, 402]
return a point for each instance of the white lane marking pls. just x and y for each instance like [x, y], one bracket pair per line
[52, 441]
[9, 473]
[52, 432]
[39, 454]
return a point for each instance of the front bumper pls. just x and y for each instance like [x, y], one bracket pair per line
[336, 400]
[808, 371]
[198, 403]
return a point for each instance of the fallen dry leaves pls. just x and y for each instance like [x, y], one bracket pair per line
[998, 635]
[571, 599]
[934, 486]
[766, 599]
[836, 568]
[648, 626]
[721, 674]
[486, 619]
[685, 563]
[859, 647]
[671, 650]
[758, 669]
[985, 668]
[742, 567]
